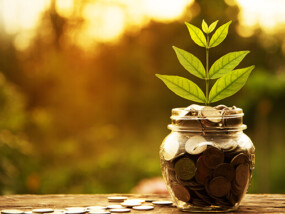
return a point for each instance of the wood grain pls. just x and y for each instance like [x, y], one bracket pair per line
[252, 203]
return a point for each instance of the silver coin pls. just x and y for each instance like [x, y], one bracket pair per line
[99, 212]
[131, 203]
[123, 210]
[140, 200]
[44, 210]
[76, 210]
[119, 198]
[115, 206]
[143, 208]
[162, 202]
[150, 200]
[58, 211]
[95, 208]
[28, 212]
[12, 211]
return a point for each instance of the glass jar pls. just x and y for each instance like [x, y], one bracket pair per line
[207, 161]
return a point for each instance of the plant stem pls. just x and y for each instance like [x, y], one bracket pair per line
[207, 71]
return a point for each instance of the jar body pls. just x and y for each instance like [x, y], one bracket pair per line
[207, 171]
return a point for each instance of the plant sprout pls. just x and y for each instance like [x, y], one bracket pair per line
[229, 81]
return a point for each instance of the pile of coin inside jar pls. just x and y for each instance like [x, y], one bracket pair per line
[211, 167]
[125, 206]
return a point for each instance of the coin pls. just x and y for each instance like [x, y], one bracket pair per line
[12, 211]
[114, 206]
[239, 159]
[199, 202]
[130, 203]
[150, 200]
[213, 157]
[212, 116]
[117, 198]
[219, 186]
[185, 168]
[242, 175]
[45, 210]
[30, 212]
[96, 208]
[99, 212]
[162, 202]
[75, 211]
[220, 107]
[143, 208]
[226, 170]
[181, 193]
[196, 145]
[202, 194]
[139, 200]
[231, 121]
[202, 172]
[125, 210]
[170, 146]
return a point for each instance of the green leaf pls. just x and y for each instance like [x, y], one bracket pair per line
[197, 35]
[220, 34]
[213, 26]
[229, 84]
[183, 87]
[190, 62]
[226, 63]
[205, 27]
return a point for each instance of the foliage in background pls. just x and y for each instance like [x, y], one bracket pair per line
[93, 122]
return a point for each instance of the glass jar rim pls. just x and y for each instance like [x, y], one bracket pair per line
[207, 119]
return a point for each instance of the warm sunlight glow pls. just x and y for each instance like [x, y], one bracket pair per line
[269, 15]
[102, 20]
[107, 20]
[64, 7]
[165, 9]
[21, 15]
[20, 18]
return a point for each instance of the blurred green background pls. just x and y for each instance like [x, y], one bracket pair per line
[81, 110]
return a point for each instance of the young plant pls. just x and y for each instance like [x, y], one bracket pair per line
[229, 80]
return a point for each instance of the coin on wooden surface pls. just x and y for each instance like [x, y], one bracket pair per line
[185, 168]
[12, 211]
[117, 198]
[226, 170]
[99, 212]
[162, 202]
[143, 208]
[239, 159]
[115, 206]
[96, 208]
[44, 210]
[75, 211]
[219, 186]
[213, 157]
[123, 210]
[181, 193]
[131, 203]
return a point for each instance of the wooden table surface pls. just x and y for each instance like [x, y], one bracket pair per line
[252, 203]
